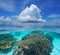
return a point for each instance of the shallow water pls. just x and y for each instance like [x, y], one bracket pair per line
[54, 35]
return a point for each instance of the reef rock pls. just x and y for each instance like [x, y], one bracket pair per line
[33, 44]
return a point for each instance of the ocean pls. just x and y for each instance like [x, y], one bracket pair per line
[18, 35]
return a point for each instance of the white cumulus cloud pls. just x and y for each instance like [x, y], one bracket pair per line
[31, 13]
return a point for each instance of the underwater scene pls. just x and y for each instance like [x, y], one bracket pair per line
[39, 42]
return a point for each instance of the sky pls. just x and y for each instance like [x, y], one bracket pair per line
[29, 13]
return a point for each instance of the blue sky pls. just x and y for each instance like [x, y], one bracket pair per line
[13, 11]
[14, 7]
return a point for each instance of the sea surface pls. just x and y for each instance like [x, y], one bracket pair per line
[54, 33]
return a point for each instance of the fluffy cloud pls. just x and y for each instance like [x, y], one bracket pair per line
[2, 18]
[31, 13]
[7, 5]
[5, 21]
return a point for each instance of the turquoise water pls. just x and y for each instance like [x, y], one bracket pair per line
[56, 42]
[54, 35]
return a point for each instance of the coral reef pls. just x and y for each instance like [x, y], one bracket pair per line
[33, 44]
[6, 41]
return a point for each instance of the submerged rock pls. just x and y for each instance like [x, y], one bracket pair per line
[6, 41]
[33, 44]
